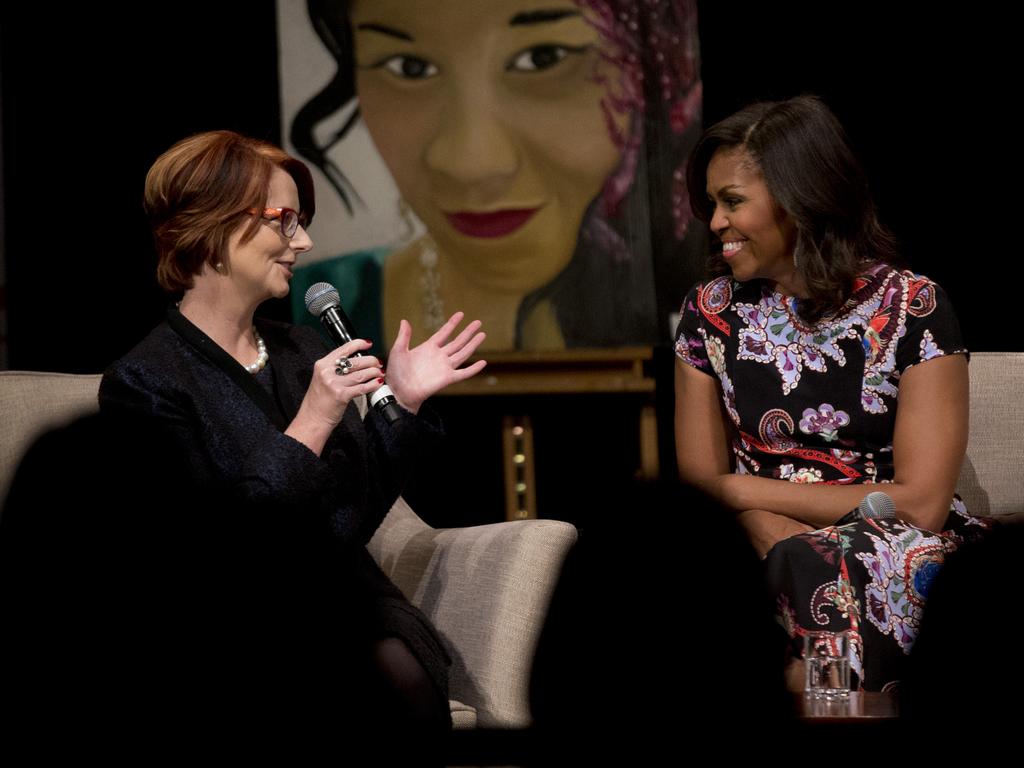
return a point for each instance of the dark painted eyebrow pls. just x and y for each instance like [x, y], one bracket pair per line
[526, 18]
[386, 30]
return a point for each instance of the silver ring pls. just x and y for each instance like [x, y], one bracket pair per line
[342, 366]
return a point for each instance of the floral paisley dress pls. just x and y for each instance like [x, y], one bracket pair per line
[817, 404]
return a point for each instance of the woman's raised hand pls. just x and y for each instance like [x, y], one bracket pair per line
[338, 378]
[416, 374]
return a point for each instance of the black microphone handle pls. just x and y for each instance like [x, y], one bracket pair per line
[850, 517]
[867, 509]
[339, 327]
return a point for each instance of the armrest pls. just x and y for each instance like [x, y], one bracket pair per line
[487, 589]
[33, 402]
[990, 480]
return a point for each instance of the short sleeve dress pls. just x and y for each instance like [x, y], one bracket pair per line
[817, 404]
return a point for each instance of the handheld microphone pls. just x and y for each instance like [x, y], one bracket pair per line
[324, 302]
[876, 505]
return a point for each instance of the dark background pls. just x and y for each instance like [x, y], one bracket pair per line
[91, 96]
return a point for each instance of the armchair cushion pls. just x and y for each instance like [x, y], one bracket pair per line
[992, 477]
[487, 589]
[32, 403]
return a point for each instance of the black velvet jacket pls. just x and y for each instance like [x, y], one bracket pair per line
[229, 429]
[233, 428]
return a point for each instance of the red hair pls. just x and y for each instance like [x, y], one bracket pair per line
[198, 192]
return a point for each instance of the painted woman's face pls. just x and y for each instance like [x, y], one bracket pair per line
[488, 114]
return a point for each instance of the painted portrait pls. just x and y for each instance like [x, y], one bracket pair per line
[520, 160]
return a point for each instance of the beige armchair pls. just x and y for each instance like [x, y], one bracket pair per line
[486, 588]
[992, 476]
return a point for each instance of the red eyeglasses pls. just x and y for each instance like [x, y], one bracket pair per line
[289, 219]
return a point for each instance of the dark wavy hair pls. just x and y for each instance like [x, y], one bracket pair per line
[330, 22]
[810, 170]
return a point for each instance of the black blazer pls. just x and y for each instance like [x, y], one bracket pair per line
[228, 430]
[231, 427]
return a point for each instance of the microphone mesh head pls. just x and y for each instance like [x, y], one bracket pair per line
[321, 296]
[878, 504]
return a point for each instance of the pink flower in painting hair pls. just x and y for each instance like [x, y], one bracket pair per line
[686, 109]
[618, 184]
[652, 43]
[681, 211]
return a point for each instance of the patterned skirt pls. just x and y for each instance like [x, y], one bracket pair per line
[870, 578]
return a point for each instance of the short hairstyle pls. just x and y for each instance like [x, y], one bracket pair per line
[804, 156]
[198, 191]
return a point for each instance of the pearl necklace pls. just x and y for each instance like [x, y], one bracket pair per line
[262, 357]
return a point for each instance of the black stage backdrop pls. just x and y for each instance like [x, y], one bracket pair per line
[91, 96]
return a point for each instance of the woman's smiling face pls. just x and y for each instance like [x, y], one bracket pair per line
[489, 116]
[261, 267]
[758, 236]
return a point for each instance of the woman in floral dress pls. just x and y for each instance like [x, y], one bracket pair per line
[812, 369]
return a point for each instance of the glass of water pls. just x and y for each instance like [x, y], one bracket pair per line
[827, 664]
